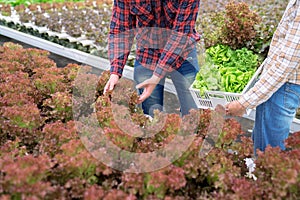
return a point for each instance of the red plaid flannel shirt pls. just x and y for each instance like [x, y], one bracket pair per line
[164, 31]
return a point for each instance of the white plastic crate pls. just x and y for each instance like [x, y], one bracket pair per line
[213, 98]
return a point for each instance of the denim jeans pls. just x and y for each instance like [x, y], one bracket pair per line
[182, 79]
[275, 116]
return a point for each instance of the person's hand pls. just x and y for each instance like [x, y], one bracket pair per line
[113, 80]
[235, 108]
[148, 86]
[220, 109]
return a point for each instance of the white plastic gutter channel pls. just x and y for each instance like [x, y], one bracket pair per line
[94, 61]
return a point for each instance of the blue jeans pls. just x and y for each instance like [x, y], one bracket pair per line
[182, 80]
[275, 116]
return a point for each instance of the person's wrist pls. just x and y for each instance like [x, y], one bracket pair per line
[155, 78]
[243, 103]
[242, 107]
[114, 75]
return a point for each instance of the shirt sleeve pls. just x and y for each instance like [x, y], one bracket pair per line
[281, 64]
[183, 35]
[121, 36]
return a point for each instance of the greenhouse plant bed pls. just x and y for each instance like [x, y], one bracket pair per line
[44, 153]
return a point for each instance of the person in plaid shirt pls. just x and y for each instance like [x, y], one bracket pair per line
[277, 92]
[165, 46]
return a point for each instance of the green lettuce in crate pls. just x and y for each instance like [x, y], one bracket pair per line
[226, 69]
[208, 78]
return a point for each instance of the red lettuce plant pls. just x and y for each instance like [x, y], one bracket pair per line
[118, 194]
[30, 58]
[17, 99]
[25, 176]
[166, 181]
[13, 149]
[104, 111]
[55, 135]
[237, 188]
[230, 131]
[280, 170]
[239, 24]
[49, 81]
[5, 9]
[58, 107]
[293, 141]
[8, 67]
[71, 71]
[75, 187]
[93, 192]
[75, 161]
[102, 82]
[17, 83]
[23, 122]
[134, 183]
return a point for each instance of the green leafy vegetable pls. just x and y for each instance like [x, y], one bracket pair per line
[208, 78]
[226, 69]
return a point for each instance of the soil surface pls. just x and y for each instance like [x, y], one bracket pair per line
[171, 101]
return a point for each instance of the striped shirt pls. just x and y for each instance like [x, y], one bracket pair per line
[283, 61]
[164, 31]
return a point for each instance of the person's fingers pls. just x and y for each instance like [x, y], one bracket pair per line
[111, 87]
[141, 85]
[148, 86]
[107, 87]
[240, 114]
[143, 96]
[113, 79]
[145, 93]
[220, 109]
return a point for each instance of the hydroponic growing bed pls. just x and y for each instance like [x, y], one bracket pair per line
[48, 151]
